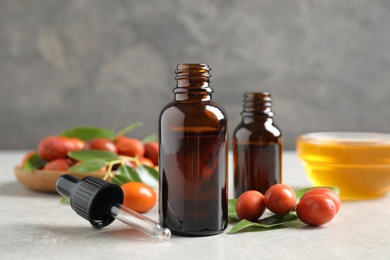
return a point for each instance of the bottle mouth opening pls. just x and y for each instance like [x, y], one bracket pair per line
[193, 66]
[257, 104]
[193, 71]
[257, 97]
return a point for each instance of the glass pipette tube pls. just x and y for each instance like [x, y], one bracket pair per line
[99, 202]
[140, 222]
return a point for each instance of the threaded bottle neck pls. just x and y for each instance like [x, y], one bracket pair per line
[193, 81]
[193, 71]
[257, 104]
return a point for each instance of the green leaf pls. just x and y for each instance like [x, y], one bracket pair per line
[125, 174]
[127, 129]
[34, 162]
[130, 172]
[65, 201]
[119, 179]
[263, 224]
[88, 132]
[85, 155]
[143, 174]
[88, 166]
[146, 170]
[148, 175]
[232, 210]
[150, 138]
[299, 193]
[276, 220]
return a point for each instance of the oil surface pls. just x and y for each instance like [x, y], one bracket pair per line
[360, 168]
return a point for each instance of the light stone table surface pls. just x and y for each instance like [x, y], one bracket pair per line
[36, 225]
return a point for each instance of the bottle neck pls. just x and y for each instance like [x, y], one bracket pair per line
[193, 82]
[257, 107]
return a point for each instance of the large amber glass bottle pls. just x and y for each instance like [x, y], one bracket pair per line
[193, 157]
[257, 146]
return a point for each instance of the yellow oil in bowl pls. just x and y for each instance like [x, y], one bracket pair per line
[357, 163]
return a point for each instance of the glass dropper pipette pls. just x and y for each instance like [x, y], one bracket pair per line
[100, 202]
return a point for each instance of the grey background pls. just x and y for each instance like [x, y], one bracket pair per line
[111, 63]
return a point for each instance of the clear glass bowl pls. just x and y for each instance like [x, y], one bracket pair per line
[357, 163]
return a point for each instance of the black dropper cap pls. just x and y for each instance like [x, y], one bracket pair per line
[91, 198]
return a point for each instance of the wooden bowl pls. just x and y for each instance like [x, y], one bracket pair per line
[45, 181]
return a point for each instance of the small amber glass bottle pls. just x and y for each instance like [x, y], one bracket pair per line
[257, 146]
[193, 157]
